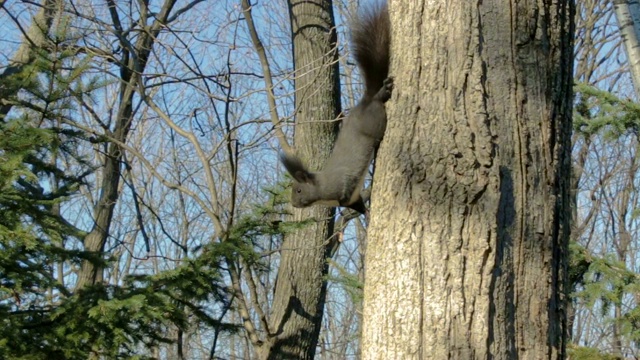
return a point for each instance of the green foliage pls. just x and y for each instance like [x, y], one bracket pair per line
[265, 219]
[32, 189]
[40, 316]
[32, 232]
[602, 112]
[351, 283]
[587, 353]
[113, 321]
[579, 261]
[28, 225]
[606, 282]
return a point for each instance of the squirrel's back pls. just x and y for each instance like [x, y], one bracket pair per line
[371, 39]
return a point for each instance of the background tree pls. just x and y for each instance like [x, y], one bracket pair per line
[467, 250]
[300, 290]
[201, 150]
[628, 16]
[69, 85]
[42, 172]
[604, 227]
[174, 216]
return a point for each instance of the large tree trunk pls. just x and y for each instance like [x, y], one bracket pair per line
[470, 218]
[300, 291]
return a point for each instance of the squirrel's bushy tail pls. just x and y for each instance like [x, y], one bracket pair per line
[371, 38]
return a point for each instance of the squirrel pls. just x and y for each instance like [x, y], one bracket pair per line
[340, 181]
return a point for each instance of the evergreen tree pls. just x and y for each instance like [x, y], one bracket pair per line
[604, 282]
[40, 316]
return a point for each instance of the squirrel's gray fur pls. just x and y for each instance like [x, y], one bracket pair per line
[341, 180]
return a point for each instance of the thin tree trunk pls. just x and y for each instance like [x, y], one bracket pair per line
[133, 62]
[300, 291]
[628, 16]
[470, 217]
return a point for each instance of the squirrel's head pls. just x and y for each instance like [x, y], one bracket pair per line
[303, 193]
[304, 189]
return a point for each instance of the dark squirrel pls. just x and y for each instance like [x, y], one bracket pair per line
[341, 180]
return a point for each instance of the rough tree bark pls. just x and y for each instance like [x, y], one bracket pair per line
[470, 218]
[299, 296]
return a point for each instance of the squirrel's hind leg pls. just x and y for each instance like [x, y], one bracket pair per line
[384, 93]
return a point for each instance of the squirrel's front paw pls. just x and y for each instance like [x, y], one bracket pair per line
[385, 92]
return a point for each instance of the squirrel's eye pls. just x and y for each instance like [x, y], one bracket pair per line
[298, 191]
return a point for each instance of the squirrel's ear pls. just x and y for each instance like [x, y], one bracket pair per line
[295, 167]
[304, 176]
